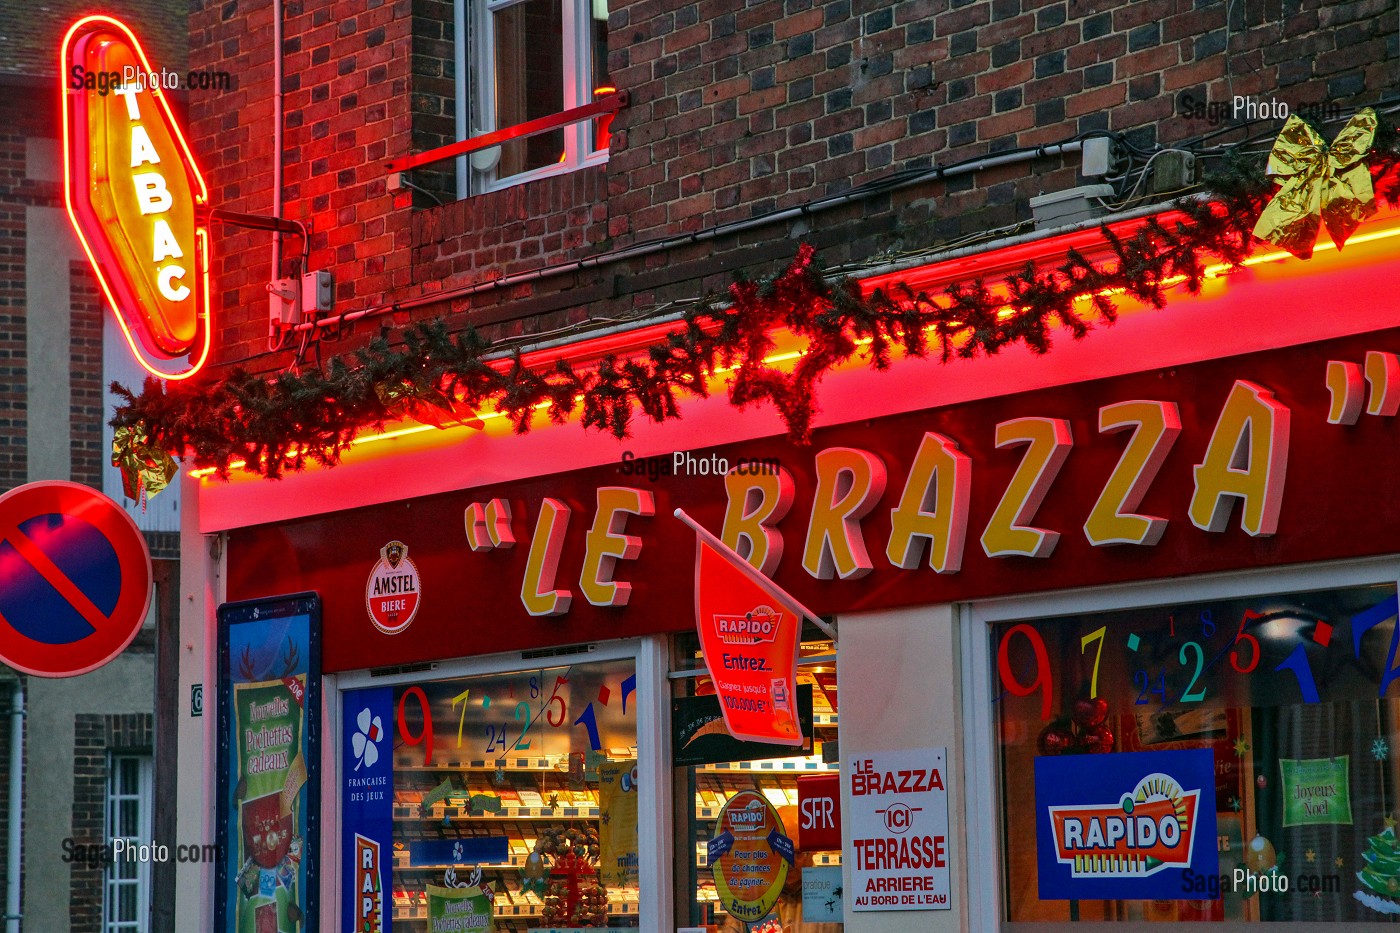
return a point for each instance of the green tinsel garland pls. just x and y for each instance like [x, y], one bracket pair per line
[292, 419]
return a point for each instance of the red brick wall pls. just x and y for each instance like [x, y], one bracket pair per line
[14, 462]
[736, 109]
[89, 826]
[85, 388]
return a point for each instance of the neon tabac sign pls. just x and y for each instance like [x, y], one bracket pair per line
[136, 197]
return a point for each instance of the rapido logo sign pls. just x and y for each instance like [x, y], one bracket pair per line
[1124, 825]
[136, 198]
[1148, 830]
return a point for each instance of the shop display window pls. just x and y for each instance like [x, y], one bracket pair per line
[519, 786]
[1231, 760]
[775, 774]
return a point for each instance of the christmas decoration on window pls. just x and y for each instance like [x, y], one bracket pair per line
[225, 419]
[573, 898]
[1085, 730]
[1380, 878]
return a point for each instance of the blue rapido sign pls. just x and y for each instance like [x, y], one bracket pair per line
[1125, 826]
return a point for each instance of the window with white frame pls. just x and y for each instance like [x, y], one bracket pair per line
[530, 59]
[127, 901]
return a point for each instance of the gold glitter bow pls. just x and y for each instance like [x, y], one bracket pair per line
[144, 466]
[425, 405]
[1318, 184]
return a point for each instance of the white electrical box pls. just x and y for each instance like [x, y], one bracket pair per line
[317, 292]
[1097, 157]
[282, 309]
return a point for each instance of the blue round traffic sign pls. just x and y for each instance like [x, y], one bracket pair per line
[75, 579]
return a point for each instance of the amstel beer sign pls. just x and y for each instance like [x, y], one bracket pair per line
[135, 197]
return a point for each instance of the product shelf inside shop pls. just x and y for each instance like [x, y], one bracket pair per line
[506, 813]
[796, 765]
[410, 908]
[522, 788]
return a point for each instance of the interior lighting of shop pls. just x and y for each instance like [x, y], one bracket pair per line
[97, 233]
[924, 277]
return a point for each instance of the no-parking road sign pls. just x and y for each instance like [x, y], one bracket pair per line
[75, 579]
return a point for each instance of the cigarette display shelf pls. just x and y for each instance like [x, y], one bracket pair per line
[521, 788]
[410, 908]
[505, 813]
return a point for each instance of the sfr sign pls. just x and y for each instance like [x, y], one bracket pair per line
[819, 812]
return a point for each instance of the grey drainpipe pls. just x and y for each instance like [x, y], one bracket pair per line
[16, 803]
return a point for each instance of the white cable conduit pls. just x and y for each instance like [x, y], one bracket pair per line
[654, 246]
[13, 844]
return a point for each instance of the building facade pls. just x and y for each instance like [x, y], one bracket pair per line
[1106, 559]
[89, 744]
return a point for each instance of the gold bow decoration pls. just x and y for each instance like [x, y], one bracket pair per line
[426, 405]
[1319, 184]
[144, 467]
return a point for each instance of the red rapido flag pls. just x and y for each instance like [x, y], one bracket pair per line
[749, 633]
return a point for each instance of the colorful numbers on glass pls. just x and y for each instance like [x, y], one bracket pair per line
[589, 720]
[1024, 673]
[1096, 635]
[461, 699]
[425, 736]
[1044, 678]
[1297, 662]
[1190, 696]
[1247, 638]
[522, 711]
[1363, 622]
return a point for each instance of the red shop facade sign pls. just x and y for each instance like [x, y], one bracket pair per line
[1264, 459]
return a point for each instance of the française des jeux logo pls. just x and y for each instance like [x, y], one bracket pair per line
[1124, 826]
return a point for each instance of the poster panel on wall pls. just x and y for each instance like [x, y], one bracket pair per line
[618, 862]
[822, 894]
[367, 824]
[1127, 826]
[750, 855]
[899, 830]
[269, 765]
[463, 909]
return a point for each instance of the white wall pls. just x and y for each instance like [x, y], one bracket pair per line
[201, 591]
[899, 680]
[124, 685]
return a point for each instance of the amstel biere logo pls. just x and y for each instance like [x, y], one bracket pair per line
[392, 593]
[1149, 830]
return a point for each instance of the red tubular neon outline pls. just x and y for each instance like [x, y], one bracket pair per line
[191, 167]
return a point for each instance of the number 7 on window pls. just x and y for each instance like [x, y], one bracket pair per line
[1096, 635]
[462, 699]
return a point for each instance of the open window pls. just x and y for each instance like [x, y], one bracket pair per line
[531, 59]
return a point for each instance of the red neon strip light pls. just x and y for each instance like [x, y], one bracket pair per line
[100, 255]
[609, 104]
[632, 341]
